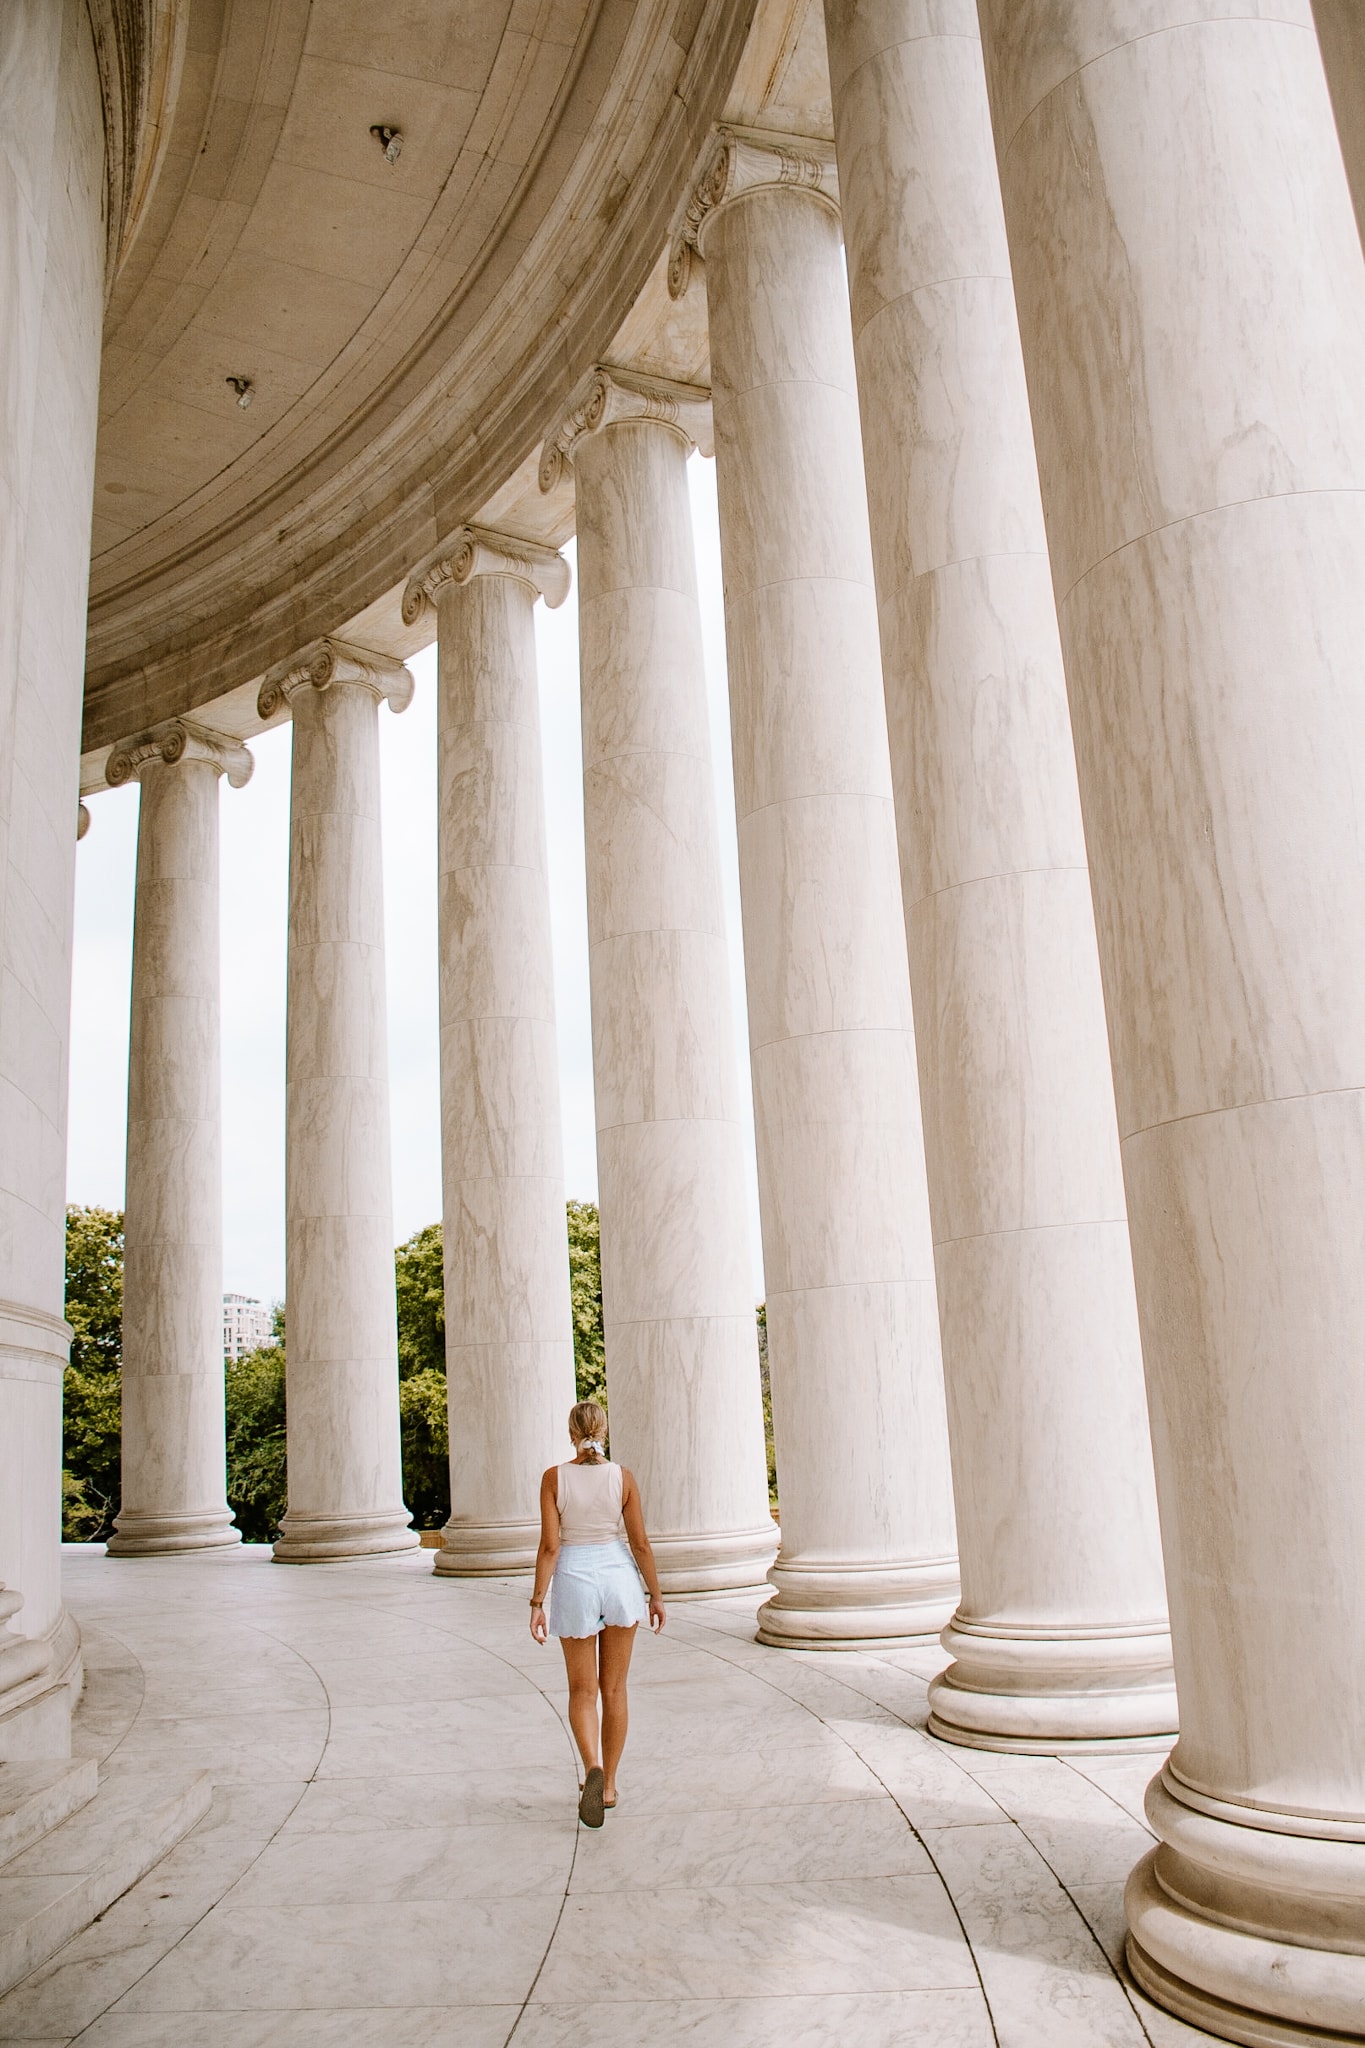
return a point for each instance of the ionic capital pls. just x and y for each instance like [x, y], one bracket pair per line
[607, 396]
[328, 662]
[484, 551]
[740, 160]
[177, 740]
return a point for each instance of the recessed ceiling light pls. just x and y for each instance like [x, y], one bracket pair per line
[244, 388]
[390, 140]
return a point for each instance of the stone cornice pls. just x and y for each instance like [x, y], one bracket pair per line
[482, 551]
[740, 160]
[139, 53]
[173, 741]
[327, 662]
[607, 396]
[432, 404]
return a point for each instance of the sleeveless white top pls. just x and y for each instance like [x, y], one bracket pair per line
[589, 1500]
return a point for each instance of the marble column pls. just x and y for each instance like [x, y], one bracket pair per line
[174, 1476]
[52, 255]
[345, 1461]
[867, 1516]
[1192, 306]
[509, 1330]
[677, 1286]
[1061, 1637]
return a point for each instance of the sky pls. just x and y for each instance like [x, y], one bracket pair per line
[255, 884]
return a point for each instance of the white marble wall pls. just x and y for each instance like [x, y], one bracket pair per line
[51, 303]
[1061, 1635]
[1192, 305]
[173, 1454]
[866, 1498]
[677, 1291]
[345, 1477]
[509, 1332]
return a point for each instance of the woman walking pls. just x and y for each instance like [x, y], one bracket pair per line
[591, 1526]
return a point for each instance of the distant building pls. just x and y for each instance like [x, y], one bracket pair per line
[247, 1325]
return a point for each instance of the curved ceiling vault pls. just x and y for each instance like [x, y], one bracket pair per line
[406, 328]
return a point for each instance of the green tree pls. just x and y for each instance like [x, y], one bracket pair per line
[426, 1447]
[585, 1296]
[765, 1382]
[420, 1283]
[92, 1406]
[257, 1446]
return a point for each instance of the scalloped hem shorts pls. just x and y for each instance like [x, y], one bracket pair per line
[595, 1586]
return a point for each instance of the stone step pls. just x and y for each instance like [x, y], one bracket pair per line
[36, 1797]
[60, 1884]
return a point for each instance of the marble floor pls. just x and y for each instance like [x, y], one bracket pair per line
[392, 1858]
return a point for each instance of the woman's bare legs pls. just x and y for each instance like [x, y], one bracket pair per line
[580, 1661]
[616, 1645]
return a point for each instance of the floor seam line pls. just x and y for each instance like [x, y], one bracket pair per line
[199, 1920]
[932, 1859]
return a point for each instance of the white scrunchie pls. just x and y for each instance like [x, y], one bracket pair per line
[593, 1443]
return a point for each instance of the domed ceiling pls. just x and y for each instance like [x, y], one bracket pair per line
[384, 242]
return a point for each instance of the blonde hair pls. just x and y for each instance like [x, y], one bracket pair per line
[588, 1424]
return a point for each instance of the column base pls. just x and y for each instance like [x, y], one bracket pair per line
[40, 1683]
[832, 1606]
[138, 1535]
[1248, 1923]
[487, 1550]
[734, 1561]
[1040, 1693]
[325, 1539]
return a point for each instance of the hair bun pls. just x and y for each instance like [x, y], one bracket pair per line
[588, 1427]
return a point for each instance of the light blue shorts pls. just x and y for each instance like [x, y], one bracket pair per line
[595, 1586]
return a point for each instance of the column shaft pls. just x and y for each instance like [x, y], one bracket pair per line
[341, 1342]
[173, 1482]
[51, 308]
[677, 1292]
[867, 1519]
[509, 1332]
[1061, 1636]
[1192, 306]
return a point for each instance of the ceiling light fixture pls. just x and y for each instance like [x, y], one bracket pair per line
[390, 140]
[244, 388]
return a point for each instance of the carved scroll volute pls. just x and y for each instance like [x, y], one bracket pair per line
[484, 551]
[606, 397]
[175, 740]
[328, 662]
[740, 160]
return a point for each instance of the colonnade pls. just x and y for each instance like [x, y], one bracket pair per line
[1042, 547]
[1201, 451]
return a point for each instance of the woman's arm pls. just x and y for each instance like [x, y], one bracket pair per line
[633, 1515]
[548, 1553]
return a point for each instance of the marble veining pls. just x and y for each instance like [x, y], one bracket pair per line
[509, 1336]
[867, 1525]
[681, 1348]
[1056, 1506]
[345, 1479]
[791, 1862]
[1201, 452]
